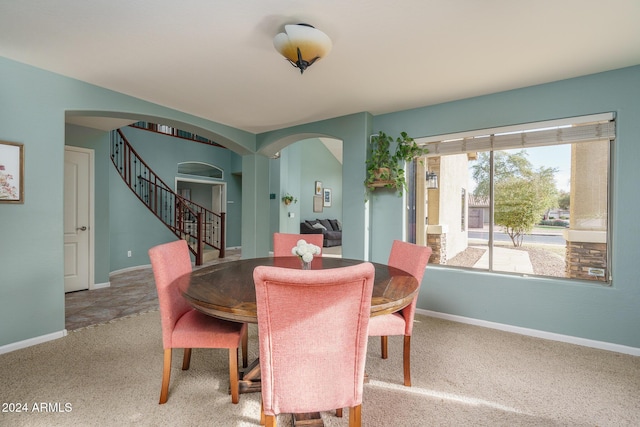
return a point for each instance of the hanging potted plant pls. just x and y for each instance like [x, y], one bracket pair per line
[379, 162]
[385, 169]
[288, 199]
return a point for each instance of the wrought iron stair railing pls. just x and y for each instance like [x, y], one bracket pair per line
[187, 220]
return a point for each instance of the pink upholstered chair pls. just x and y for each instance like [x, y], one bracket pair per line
[312, 329]
[284, 242]
[183, 326]
[413, 259]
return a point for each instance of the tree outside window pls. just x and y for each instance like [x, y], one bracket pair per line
[537, 199]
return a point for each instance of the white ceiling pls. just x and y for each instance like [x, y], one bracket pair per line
[215, 59]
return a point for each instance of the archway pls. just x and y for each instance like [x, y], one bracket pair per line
[309, 169]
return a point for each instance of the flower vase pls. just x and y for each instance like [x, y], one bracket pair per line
[304, 250]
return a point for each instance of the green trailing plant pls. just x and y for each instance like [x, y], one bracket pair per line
[288, 199]
[385, 169]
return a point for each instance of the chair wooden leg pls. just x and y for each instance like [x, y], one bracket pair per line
[186, 359]
[339, 412]
[355, 416]
[267, 420]
[233, 375]
[383, 346]
[166, 375]
[407, 360]
[270, 421]
[245, 346]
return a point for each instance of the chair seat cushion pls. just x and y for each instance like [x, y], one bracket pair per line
[197, 330]
[388, 324]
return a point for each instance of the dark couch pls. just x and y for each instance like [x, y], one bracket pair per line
[331, 229]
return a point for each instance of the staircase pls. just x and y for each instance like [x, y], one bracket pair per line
[187, 220]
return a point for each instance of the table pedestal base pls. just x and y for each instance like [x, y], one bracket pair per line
[250, 383]
[310, 419]
[250, 378]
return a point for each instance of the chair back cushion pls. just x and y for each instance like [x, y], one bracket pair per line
[170, 261]
[413, 259]
[312, 329]
[284, 242]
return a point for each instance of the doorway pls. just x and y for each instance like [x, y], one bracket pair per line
[78, 218]
[208, 194]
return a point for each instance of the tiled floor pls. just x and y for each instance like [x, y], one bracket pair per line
[130, 292]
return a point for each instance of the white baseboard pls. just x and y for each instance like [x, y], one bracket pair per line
[134, 268]
[32, 341]
[534, 333]
[100, 285]
[633, 351]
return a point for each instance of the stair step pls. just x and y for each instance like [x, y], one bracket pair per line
[210, 254]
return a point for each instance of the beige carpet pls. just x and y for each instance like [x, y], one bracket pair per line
[109, 375]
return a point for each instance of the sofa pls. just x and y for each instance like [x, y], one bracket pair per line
[331, 230]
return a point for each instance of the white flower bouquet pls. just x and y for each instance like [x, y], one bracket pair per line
[305, 250]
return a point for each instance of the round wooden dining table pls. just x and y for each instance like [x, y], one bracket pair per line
[227, 291]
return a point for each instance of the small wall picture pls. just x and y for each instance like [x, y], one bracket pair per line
[317, 203]
[327, 197]
[318, 188]
[11, 172]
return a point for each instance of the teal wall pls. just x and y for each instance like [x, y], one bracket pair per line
[135, 228]
[353, 131]
[33, 103]
[122, 223]
[319, 165]
[583, 310]
[256, 236]
[290, 169]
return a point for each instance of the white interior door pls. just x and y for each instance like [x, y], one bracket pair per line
[216, 198]
[218, 202]
[78, 218]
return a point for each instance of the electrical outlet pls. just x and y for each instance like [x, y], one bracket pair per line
[129, 254]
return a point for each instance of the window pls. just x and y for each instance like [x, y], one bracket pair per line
[200, 169]
[535, 199]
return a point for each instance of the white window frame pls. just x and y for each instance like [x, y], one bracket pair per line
[569, 130]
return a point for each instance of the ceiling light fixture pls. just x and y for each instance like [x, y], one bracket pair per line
[302, 45]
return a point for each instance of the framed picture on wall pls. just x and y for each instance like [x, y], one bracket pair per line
[327, 197]
[318, 188]
[317, 203]
[11, 172]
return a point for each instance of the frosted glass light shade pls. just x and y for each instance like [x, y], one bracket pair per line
[302, 45]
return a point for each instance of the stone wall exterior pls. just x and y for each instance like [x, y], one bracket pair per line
[438, 244]
[584, 255]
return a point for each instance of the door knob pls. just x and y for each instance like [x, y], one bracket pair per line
[83, 228]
